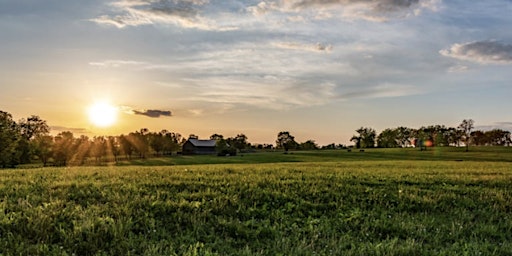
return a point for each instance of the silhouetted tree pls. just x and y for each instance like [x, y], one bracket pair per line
[465, 127]
[387, 139]
[43, 145]
[63, 148]
[113, 147]
[99, 148]
[156, 142]
[286, 140]
[366, 137]
[498, 137]
[308, 145]
[239, 142]
[216, 137]
[125, 142]
[9, 137]
[479, 138]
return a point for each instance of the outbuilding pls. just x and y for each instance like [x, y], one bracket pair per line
[199, 147]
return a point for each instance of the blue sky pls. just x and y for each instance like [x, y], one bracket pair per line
[317, 68]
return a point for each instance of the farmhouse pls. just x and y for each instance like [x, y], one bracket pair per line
[199, 147]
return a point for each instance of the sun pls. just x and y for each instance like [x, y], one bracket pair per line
[102, 114]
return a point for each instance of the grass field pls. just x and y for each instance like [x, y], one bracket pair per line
[377, 202]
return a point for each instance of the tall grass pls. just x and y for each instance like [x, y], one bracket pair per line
[378, 207]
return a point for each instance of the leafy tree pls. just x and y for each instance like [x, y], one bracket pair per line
[156, 142]
[404, 136]
[9, 137]
[63, 148]
[33, 126]
[99, 148]
[43, 145]
[174, 141]
[479, 138]
[498, 137]
[365, 139]
[82, 147]
[140, 142]
[216, 137]
[308, 145]
[126, 145]
[239, 142]
[465, 128]
[286, 140]
[387, 139]
[113, 147]
[30, 128]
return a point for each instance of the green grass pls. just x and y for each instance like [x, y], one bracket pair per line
[380, 202]
[480, 154]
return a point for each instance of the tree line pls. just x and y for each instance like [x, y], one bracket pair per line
[29, 141]
[431, 136]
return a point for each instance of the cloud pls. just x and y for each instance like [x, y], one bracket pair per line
[318, 47]
[153, 113]
[507, 126]
[59, 129]
[182, 13]
[483, 52]
[378, 10]
[116, 63]
[385, 90]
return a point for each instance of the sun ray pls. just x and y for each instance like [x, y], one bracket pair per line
[102, 114]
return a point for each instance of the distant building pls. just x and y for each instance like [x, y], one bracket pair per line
[199, 147]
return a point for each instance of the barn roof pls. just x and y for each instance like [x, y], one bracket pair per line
[203, 143]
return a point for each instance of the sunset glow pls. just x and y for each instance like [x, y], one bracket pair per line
[318, 69]
[102, 114]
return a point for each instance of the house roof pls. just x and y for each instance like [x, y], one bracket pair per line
[203, 143]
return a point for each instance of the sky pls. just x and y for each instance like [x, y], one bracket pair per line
[319, 69]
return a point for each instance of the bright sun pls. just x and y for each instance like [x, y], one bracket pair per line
[102, 114]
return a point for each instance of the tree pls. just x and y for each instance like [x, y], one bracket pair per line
[216, 137]
[404, 136]
[479, 138]
[240, 142]
[387, 139]
[9, 137]
[126, 145]
[308, 145]
[157, 142]
[43, 145]
[29, 129]
[366, 138]
[63, 148]
[33, 126]
[498, 137]
[286, 140]
[113, 147]
[99, 148]
[465, 127]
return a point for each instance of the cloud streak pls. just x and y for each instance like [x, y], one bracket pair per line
[153, 113]
[378, 10]
[182, 13]
[483, 52]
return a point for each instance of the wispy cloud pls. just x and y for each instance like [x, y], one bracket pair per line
[378, 10]
[507, 126]
[385, 90]
[116, 63]
[318, 47]
[483, 52]
[182, 13]
[59, 129]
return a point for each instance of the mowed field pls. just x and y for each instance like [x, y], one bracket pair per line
[379, 202]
